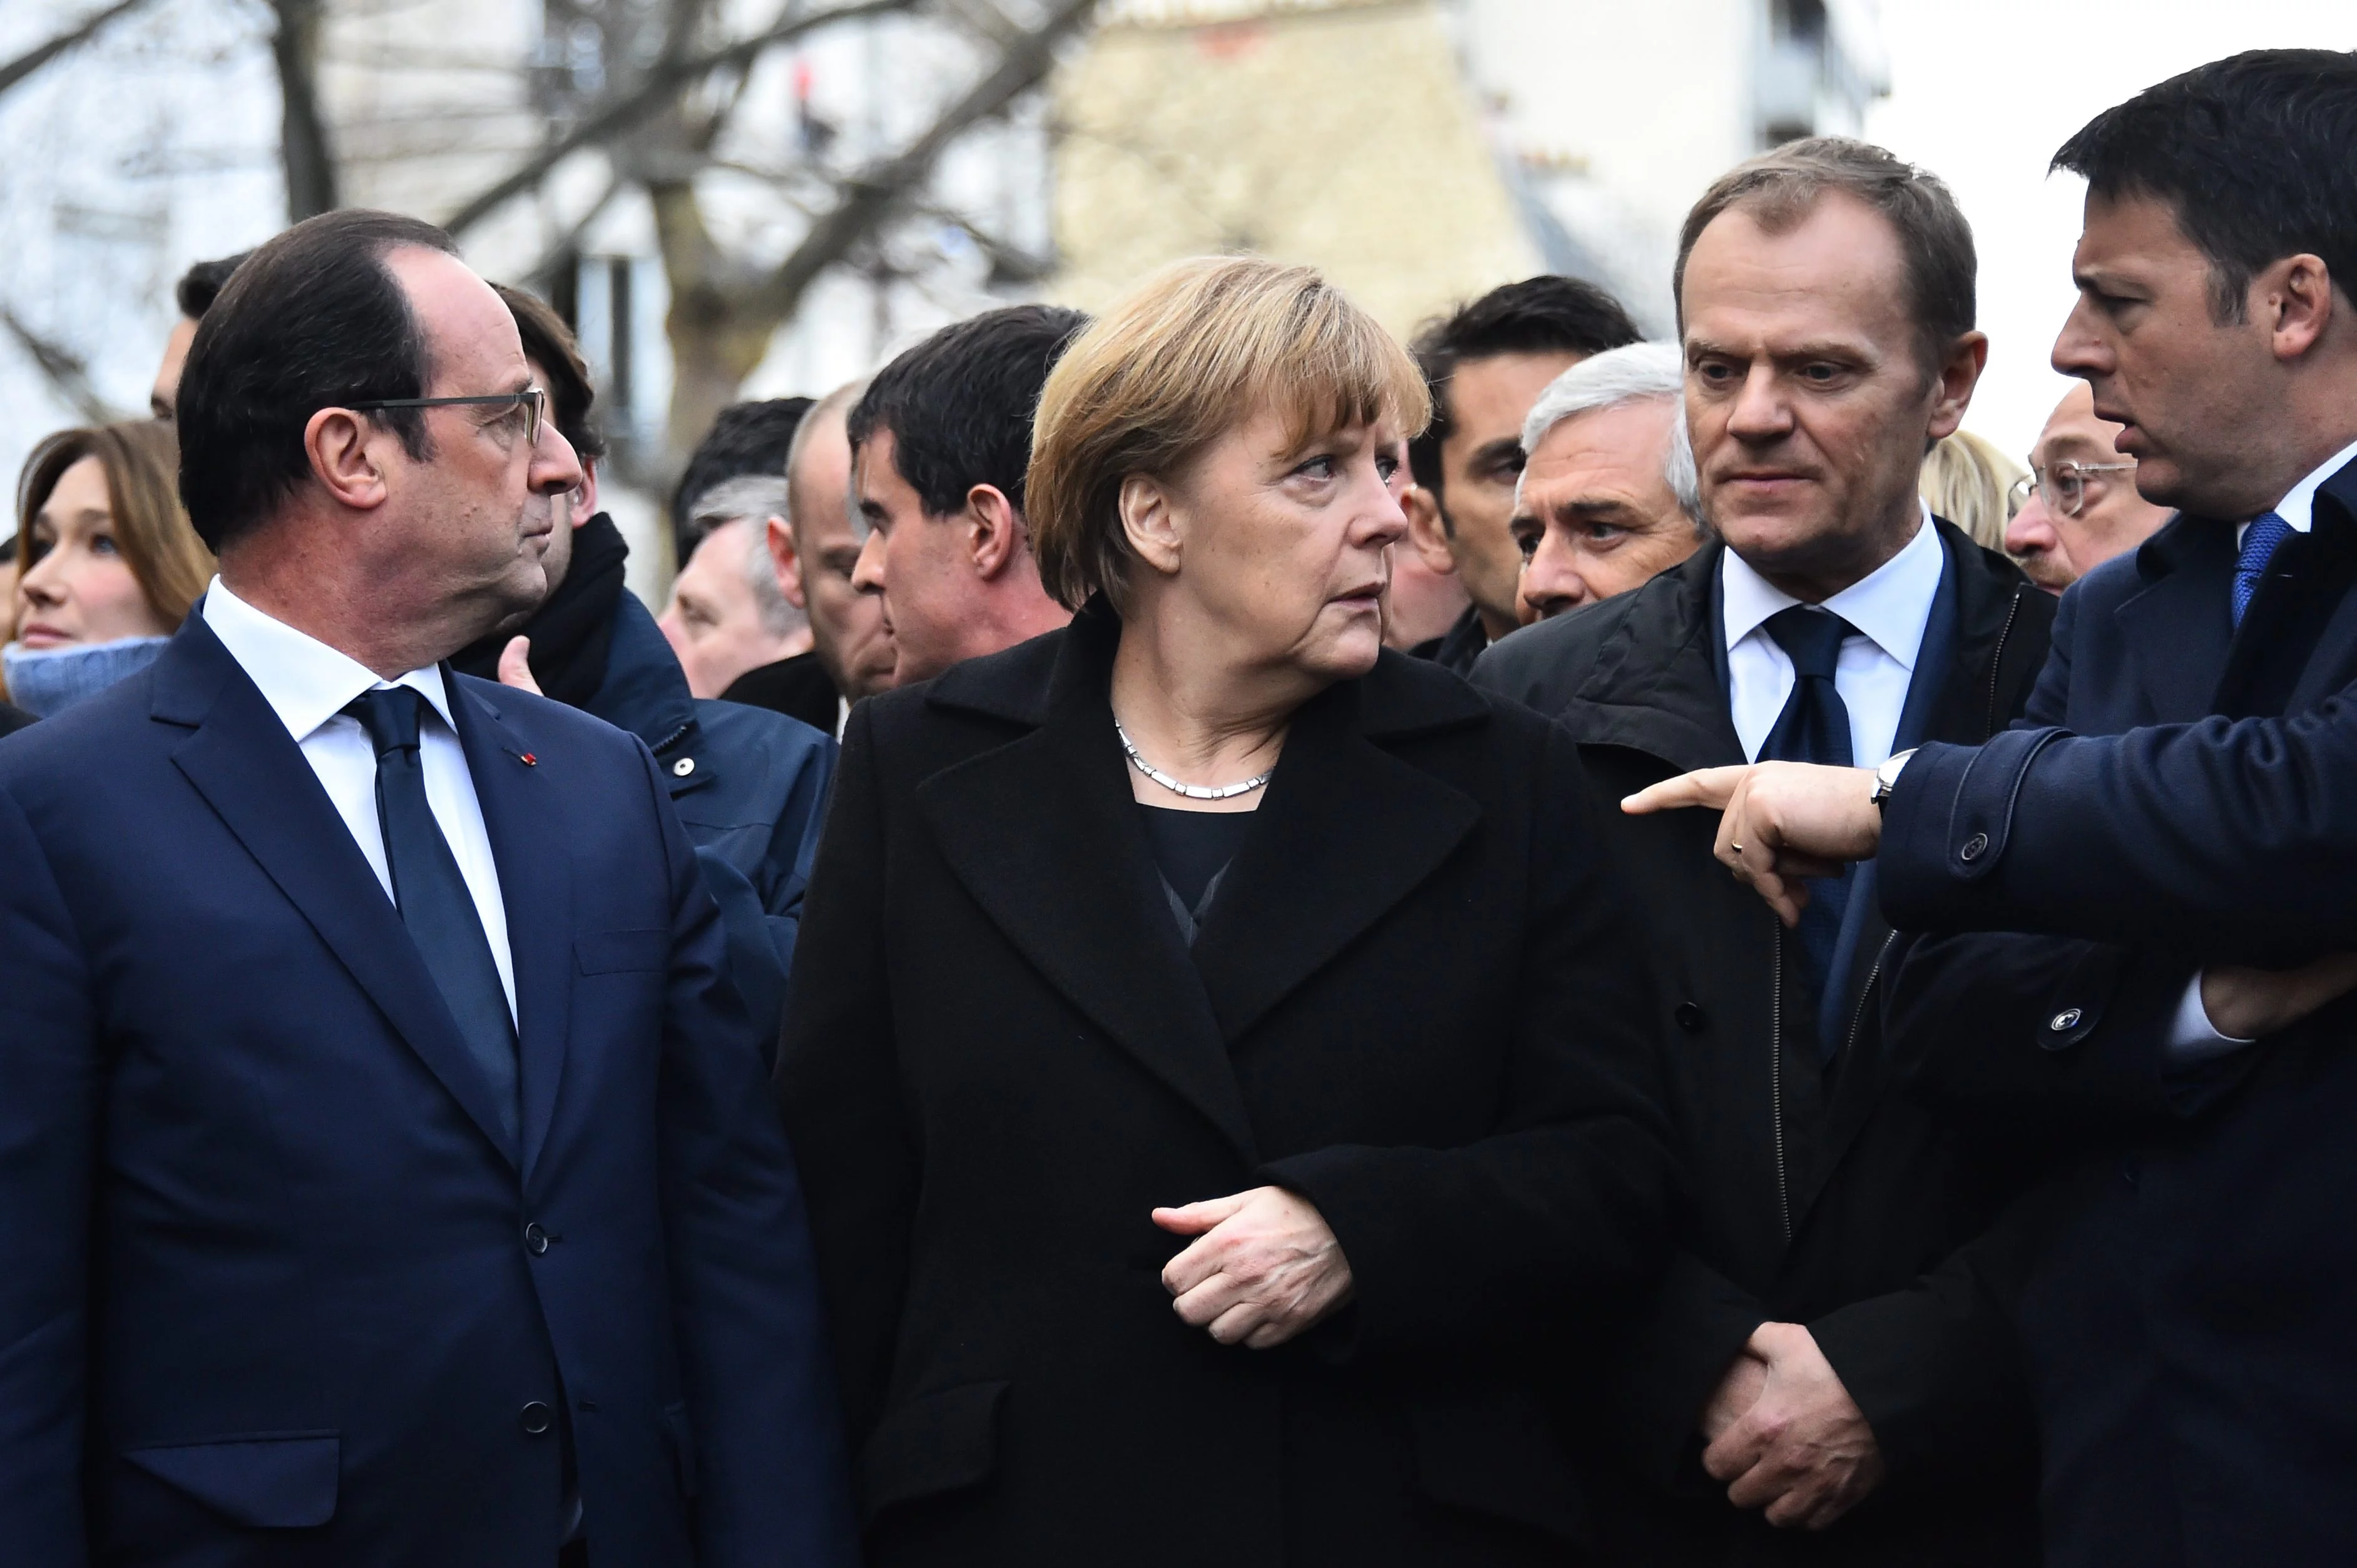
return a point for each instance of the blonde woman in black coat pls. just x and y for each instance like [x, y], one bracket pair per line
[1217, 1063]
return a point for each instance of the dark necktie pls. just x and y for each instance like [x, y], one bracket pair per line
[432, 896]
[1813, 727]
[2260, 541]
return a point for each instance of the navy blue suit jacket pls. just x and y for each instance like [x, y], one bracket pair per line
[274, 1287]
[2180, 793]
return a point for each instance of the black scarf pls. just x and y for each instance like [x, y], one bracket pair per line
[574, 627]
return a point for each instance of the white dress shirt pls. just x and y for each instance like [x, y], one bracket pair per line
[308, 684]
[1890, 606]
[2193, 1038]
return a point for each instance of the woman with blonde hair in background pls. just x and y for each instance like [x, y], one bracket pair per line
[1968, 481]
[107, 564]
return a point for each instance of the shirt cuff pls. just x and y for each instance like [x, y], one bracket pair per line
[2193, 1038]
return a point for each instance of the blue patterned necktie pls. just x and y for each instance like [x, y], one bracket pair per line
[1814, 727]
[2260, 541]
[432, 895]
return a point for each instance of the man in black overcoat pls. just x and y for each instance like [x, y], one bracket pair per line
[1825, 1375]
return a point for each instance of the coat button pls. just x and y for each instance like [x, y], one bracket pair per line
[1690, 1018]
[1973, 846]
[536, 1419]
[2064, 1019]
[535, 1240]
[682, 767]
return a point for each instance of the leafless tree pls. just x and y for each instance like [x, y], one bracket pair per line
[658, 129]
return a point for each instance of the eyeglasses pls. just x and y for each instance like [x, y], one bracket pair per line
[534, 401]
[2063, 487]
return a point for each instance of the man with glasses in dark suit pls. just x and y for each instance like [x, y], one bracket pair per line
[391, 1170]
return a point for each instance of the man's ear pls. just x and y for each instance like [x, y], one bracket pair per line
[343, 450]
[788, 560]
[1427, 533]
[585, 495]
[1952, 392]
[2296, 301]
[995, 531]
[1148, 520]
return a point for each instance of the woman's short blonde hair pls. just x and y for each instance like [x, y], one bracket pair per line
[1188, 355]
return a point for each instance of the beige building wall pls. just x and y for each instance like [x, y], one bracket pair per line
[1339, 134]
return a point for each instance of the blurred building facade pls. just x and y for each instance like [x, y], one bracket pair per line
[1421, 151]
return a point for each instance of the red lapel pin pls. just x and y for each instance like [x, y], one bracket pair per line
[527, 758]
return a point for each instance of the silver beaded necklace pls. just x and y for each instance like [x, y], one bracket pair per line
[1192, 791]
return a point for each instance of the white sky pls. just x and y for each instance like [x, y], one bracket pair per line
[1983, 93]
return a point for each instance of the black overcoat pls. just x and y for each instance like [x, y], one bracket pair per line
[1827, 1198]
[1412, 1001]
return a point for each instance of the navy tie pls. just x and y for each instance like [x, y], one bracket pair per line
[432, 896]
[1813, 727]
[2260, 541]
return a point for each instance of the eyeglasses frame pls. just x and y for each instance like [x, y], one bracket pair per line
[533, 399]
[2037, 479]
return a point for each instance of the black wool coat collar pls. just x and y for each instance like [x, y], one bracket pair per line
[1044, 833]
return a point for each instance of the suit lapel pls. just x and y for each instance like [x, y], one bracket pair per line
[2176, 630]
[1044, 834]
[1346, 832]
[241, 760]
[2332, 663]
[535, 884]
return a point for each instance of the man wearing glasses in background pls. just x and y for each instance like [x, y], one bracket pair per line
[2081, 507]
[391, 1168]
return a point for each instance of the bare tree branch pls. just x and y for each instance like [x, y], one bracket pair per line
[655, 91]
[871, 194]
[543, 272]
[66, 371]
[303, 142]
[81, 32]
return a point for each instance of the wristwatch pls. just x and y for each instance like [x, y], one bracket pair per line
[1886, 778]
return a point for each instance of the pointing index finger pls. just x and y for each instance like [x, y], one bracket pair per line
[1711, 786]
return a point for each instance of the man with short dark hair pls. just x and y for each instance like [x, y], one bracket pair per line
[194, 293]
[1825, 1354]
[2175, 817]
[941, 441]
[1486, 364]
[750, 787]
[390, 1167]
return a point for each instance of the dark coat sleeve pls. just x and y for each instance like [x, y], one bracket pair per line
[1935, 1369]
[49, 1136]
[1667, 1359]
[1564, 1205]
[772, 1483]
[2235, 840]
[838, 1084]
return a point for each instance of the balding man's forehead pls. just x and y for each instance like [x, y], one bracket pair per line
[469, 328]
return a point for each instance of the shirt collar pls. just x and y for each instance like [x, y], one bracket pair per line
[1889, 605]
[305, 681]
[2299, 508]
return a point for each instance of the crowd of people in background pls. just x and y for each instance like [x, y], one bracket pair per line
[1117, 977]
